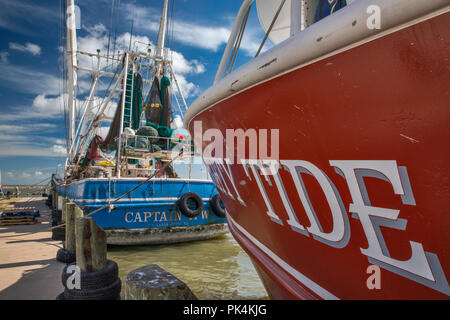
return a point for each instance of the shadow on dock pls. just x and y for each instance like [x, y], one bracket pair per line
[28, 268]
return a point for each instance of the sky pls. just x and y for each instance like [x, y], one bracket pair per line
[32, 130]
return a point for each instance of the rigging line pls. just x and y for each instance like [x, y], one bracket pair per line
[172, 30]
[110, 29]
[169, 26]
[130, 191]
[92, 125]
[36, 184]
[132, 25]
[115, 28]
[237, 44]
[107, 90]
[178, 104]
[270, 28]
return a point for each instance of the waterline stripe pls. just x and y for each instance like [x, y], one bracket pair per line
[316, 288]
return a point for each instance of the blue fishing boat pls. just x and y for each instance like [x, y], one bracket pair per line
[128, 180]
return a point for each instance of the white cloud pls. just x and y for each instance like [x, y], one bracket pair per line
[17, 129]
[28, 80]
[29, 47]
[196, 35]
[97, 38]
[24, 17]
[183, 66]
[59, 150]
[38, 173]
[204, 37]
[102, 131]
[30, 147]
[177, 122]
[4, 56]
[109, 111]
[187, 88]
[49, 105]
[42, 107]
[25, 139]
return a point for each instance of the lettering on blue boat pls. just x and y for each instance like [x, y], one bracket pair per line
[156, 216]
[160, 216]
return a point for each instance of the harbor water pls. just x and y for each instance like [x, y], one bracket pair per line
[213, 269]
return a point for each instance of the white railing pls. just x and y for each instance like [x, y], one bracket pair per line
[302, 14]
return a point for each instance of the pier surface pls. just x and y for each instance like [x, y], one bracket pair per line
[28, 268]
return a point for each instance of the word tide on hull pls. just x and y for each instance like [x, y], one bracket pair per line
[358, 175]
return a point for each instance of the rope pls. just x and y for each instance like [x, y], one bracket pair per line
[110, 29]
[132, 25]
[127, 193]
[237, 44]
[172, 30]
[93, 125]
[270, 28]
[115, 29]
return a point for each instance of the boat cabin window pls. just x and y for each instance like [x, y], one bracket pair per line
[326, 7]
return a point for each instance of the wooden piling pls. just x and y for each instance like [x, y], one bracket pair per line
[90, 245]
[65, 201]
[72, 213]
[53, 199]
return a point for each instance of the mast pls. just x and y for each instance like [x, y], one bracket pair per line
[122, 112]
[72, 65]
[161, 39]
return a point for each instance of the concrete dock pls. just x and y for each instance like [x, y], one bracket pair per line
[28, 268]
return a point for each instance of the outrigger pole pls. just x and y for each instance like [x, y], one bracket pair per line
[72, 67]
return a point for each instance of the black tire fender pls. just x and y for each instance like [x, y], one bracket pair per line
[65, 256]
[96, 279]
[59, 234]
[216, 207]
[111, 292]
[184, 207]
[60, 296]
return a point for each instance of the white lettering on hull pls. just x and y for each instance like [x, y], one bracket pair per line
[423, 267]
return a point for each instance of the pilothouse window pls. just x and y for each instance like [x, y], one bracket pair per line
[326, 7]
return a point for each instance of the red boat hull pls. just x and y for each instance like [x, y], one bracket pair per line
[385, 100]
